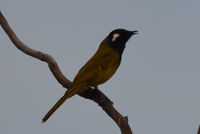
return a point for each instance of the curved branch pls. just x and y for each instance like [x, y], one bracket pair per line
[92, 94]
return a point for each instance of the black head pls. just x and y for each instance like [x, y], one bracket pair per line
[118, 38]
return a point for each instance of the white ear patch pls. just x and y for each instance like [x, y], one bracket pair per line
[115, 36]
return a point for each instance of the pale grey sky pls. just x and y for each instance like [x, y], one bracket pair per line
[157, 85]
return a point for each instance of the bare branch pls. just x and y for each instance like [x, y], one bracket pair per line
[34, 53]
[92, 94]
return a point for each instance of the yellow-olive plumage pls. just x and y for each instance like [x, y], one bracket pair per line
[99, 68]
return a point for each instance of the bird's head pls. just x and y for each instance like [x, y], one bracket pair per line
[117, 38]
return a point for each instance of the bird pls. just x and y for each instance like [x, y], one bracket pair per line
[99, 68]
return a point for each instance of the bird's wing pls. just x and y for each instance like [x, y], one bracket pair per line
[101, 59]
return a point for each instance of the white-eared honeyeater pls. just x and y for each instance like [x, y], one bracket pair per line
[101, 67]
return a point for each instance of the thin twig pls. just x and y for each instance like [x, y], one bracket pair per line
[92, 94]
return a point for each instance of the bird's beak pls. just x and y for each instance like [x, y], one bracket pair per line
[130, 33]
[133, 32]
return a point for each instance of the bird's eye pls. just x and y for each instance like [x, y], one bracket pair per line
[115, 36]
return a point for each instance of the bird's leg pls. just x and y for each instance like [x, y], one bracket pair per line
[96, 88]
[93, 93]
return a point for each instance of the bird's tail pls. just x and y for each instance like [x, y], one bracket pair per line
[69, 93]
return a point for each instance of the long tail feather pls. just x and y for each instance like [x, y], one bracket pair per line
[67, 95]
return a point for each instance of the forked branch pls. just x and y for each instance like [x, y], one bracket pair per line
[92, 94]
